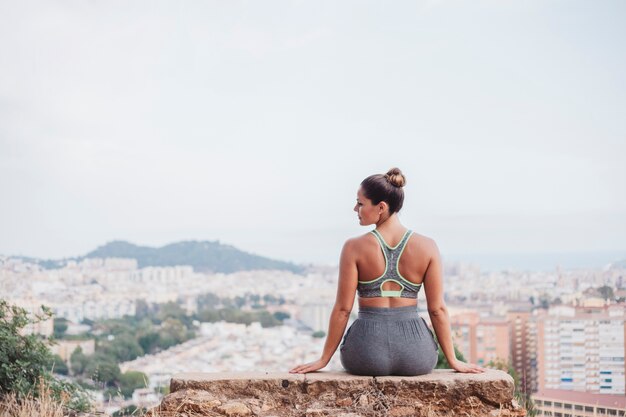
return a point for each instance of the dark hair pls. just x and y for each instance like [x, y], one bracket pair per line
[387, 188]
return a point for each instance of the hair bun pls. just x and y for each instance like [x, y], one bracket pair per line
[395, 177]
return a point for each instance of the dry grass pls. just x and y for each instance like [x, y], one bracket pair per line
[42, 406]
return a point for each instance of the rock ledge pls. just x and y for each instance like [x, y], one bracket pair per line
[441, 393]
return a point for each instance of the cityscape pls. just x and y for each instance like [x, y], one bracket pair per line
[562, 332]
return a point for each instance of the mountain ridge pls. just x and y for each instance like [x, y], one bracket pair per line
[202, 255]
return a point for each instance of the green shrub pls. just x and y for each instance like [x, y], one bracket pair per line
[23, 358]
[281, 315]
[60, 327]
[78, 361]
[442, 362]
[58, 365]
[124, 347]
[130, 381]
[103, 368]
[26, 361]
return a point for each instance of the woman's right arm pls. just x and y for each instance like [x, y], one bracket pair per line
[433, 288]
[346, 292]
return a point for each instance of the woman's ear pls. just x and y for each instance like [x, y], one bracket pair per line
[382, 207]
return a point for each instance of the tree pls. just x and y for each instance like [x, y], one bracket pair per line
[319, 334]
[266, 319]
[280, 315]
[124, 347]
[149, 342]
[60, 327]
[58, 365]
[210, 316]
[173, 332]
[240, 301]
[25, 360]
[171, 310]
[102, 368]
[78, 361]
[130, 381]
[208, 301]
[269, 299]
[606, 292]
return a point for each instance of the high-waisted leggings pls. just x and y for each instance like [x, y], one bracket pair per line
[388, 341]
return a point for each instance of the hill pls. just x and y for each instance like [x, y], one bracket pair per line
[203, 256]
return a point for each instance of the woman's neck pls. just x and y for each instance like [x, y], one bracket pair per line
[390, 223]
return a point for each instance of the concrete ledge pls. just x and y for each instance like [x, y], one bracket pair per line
[441, 393]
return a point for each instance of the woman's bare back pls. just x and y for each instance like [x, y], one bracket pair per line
[412, 264]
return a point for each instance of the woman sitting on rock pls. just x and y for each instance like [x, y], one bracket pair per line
[387, 267]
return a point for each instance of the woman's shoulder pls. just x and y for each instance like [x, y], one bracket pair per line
[356, 242]
[423, 240]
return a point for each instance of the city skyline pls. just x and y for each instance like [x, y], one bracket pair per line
[155, 123]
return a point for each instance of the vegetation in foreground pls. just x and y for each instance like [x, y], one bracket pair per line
[26, 364]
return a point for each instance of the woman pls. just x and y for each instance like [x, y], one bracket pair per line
[387, 267]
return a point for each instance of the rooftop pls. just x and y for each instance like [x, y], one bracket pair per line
[583, 398]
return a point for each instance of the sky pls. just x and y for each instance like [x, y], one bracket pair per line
[253, 123]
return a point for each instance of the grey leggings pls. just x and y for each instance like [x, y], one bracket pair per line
[388, 341]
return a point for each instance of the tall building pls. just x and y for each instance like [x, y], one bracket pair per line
[463, 324]
[582, 349]
[492, 341]
[523, 343]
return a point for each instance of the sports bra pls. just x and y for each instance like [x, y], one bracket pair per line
[374, 288]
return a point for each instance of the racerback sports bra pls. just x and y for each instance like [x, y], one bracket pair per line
[374, 288]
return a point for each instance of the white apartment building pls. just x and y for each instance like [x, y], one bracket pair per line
[92, 309]
[582, 349]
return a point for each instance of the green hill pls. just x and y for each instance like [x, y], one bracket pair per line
[204, 256]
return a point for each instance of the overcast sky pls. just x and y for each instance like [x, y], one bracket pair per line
[254, 122]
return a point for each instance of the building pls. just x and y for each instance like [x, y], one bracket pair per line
[317, 305]
[564, 403]
[492, 341]
[480, 340]
[523, 343]
[582, 349]
[65, 348]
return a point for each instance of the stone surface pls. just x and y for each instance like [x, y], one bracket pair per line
[189, 401]
[438, 394]
[344, 402]
[235, 409]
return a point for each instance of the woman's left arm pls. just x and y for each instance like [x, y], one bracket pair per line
[348, 277]
[433, 287]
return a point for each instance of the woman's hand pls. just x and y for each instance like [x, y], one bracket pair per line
[309, 367]
[466, 367]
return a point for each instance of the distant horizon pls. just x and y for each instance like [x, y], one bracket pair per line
[486, 261]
